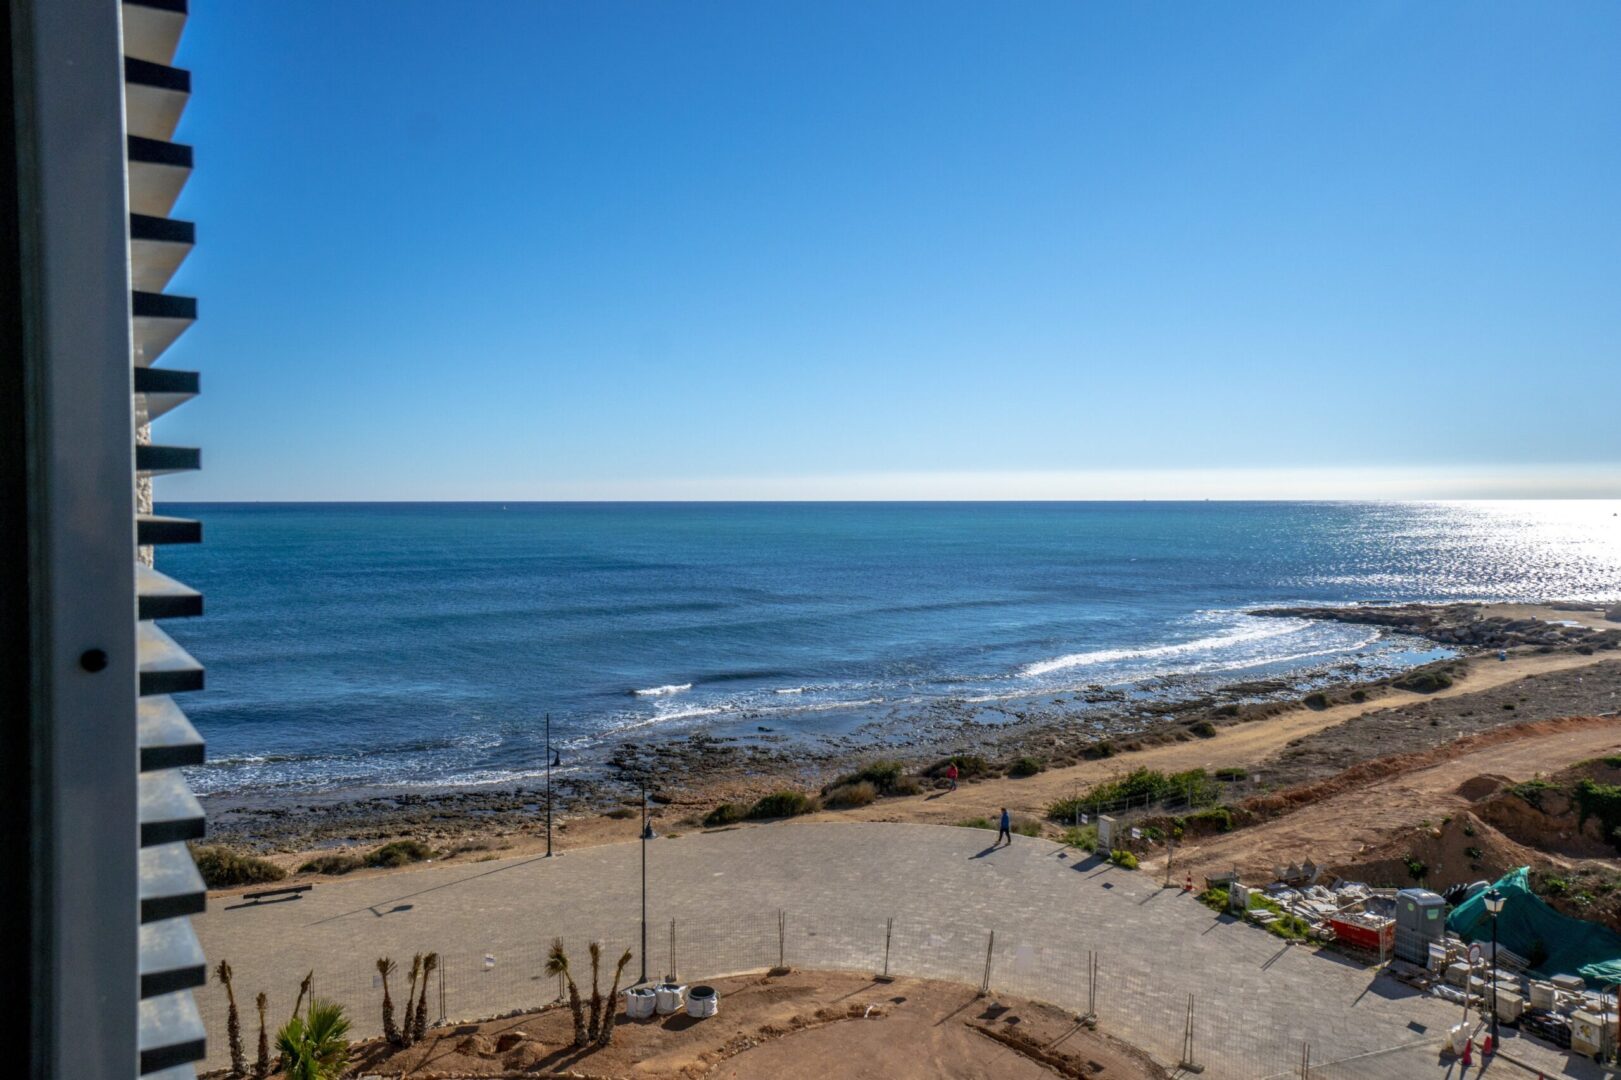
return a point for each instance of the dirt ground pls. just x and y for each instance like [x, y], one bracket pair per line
[1349, 823]
[838, 1026]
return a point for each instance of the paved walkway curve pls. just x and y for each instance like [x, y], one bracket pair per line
[1256, 1000]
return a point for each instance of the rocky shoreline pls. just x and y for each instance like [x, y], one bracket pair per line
[686, 776]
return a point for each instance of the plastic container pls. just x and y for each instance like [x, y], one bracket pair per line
[670, 998]
[702, 1001]
[640, 1002]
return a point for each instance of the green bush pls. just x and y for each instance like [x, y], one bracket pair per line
[1290, 927]
[1144, 786]
[1231, 774]
[1026, 827]
[884, 776]
[907, 785]
[1211, 819]
[1204, 729]
[1064, 810]
[1423, 681]
[781, 804]
[975, 823]
[969, 767]
[1602, 801]
[1084, 837]
[849, 796]
[1103, 748]
[335, 863]
[725, 814]
[1532, 790]
[1416, 869]
[223, 868]
[1123, 859]
[1215, 898]
[400, 853]
[1315, 700]
[1025, 766]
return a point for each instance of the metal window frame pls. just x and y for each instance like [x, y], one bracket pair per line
[74, 472]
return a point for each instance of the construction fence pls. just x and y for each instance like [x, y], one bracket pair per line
[1223, 1036]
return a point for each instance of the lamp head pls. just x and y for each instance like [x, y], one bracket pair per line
[647, 832]
[557, 759]
[1494, 902]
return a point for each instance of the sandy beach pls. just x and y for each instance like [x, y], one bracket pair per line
[1565, 666]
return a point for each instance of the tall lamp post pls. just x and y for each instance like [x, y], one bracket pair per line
[647, 834]
[1494, 905]
[552, 758]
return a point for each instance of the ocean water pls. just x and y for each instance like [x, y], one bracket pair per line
[362, 644]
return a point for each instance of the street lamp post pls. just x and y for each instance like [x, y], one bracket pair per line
[647, 834]
[552, 758]
[1494, 905]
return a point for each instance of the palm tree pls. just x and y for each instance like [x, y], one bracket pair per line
[595, 949]
[557, 966]
[261, 1067]
[606, 1029]
[410, 999]
[315, 1047]
[303, 988]
[233, 1022]
[419, 1026]
[385, 968]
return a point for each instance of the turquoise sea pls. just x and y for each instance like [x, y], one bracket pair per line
[399, 643]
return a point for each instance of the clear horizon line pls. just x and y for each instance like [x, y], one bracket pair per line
[1553, 482]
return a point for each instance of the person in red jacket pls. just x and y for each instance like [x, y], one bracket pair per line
[951, 775]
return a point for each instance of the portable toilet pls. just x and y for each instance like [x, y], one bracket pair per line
[1420, 920]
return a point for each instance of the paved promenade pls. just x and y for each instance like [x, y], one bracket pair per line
[1256, 1000]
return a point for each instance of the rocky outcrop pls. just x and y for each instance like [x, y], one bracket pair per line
[1462, 625]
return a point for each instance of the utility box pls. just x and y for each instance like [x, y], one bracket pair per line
[1108, 833]
[1238, 897]
[1573, 984]
[1420, 920]
[1592, 1034]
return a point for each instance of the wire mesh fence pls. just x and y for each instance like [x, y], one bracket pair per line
[1160, 1008]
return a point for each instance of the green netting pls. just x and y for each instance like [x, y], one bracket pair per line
[1532, 929]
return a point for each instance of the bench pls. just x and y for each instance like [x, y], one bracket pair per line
[292, 892]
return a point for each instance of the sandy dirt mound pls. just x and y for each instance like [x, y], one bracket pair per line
[1366, 812]
[812, 1024]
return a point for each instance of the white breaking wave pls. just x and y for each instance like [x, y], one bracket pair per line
[1269, 628]
[790, 690]
[663, 691]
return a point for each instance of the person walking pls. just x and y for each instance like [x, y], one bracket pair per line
[951, 775]
[1006, 831]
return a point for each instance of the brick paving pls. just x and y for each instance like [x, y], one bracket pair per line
[1256, 999]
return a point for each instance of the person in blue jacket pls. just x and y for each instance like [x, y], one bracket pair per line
[1006, 830]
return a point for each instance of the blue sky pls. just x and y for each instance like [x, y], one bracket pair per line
[600, 250]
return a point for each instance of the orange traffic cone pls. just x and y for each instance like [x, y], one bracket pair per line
[1468, 1051]
[1486, 1047]
[1187, 886]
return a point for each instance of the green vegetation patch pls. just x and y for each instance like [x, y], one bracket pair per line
[1532, 790]
[335, 863]
[969, 767]
[1424, 681]
[725, 814]
[850, 796]
[1602, 801]
[885, 777]
[1123, 859]
[1026, 766]
[782, 804]
[400, 853]
[1084, 837]
[223, 868]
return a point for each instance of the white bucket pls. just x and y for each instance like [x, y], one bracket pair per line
[671, 998]
[639, 1002]
[702, 1002]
